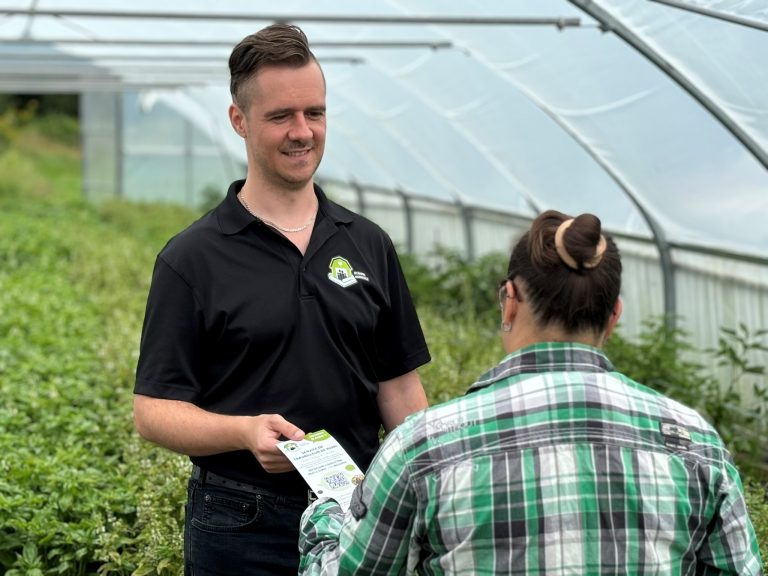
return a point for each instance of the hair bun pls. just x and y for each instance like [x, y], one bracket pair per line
[586, 251]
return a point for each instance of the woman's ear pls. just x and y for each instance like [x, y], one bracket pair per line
[511, 302]
[613, 319]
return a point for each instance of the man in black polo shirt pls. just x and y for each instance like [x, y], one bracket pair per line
[278, 312]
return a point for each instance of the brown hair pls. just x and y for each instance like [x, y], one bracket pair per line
[576, 286]
[275, 45]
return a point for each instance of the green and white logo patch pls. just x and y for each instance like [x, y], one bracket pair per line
[342, 273]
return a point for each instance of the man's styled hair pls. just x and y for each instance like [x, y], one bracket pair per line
[275, 45]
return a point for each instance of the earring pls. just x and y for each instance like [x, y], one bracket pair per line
[506, 327]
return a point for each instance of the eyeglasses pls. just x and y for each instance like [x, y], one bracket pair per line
[503, 291]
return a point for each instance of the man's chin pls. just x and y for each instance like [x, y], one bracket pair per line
[298, 178]
[295, 182]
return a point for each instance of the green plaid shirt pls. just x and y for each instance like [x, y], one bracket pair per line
[553, 464]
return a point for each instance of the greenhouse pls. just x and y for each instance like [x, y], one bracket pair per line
[451, 124]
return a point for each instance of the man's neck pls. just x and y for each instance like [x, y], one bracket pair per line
[290, 212]
[279, 203]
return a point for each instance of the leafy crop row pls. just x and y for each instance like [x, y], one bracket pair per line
[79, 493]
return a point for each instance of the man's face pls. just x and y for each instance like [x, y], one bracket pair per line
[284, 125]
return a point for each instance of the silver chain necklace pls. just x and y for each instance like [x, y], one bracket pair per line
[273, 224]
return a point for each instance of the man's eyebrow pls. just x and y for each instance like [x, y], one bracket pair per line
[278, 111]
[288, 110]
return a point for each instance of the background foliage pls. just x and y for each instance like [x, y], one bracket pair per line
[79, 492]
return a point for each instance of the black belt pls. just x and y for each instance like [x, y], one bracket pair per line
[208, 477]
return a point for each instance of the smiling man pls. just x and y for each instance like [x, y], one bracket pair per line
[276, 313]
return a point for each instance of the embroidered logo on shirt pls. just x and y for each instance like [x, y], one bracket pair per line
[342, 273]
[675, 436]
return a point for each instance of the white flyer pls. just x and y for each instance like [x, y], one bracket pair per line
[324, 465]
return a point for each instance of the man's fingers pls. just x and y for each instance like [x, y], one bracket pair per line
[267, 431]
[285, 428]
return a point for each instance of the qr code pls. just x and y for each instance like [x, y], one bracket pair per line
[336, 481]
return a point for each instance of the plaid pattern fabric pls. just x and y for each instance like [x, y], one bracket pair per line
[552, 464]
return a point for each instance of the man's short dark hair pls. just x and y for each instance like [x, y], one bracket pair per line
[275, 45]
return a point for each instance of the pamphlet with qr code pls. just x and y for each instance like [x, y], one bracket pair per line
[324, 465]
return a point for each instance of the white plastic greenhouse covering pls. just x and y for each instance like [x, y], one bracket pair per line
[454, 122]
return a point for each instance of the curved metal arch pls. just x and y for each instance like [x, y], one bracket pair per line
[468, 138]
[612, 24]
[464, 210]
[724, 16]
[659, 237]
[406, 145]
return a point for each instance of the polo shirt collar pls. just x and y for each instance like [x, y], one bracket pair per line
[546, 357]
[233, 218]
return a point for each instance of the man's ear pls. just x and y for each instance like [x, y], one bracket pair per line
[613, 319]
[237, 119]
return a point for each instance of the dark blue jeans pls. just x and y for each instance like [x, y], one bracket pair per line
[228, 532]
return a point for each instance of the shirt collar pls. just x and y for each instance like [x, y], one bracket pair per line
[233, 218]
[546, 357]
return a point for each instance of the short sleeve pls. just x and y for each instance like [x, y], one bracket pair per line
[401, 346]
[171, 349]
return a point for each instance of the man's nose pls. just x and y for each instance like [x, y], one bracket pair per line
[300, 129]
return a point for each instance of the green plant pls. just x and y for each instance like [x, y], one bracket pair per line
[57, 433]
[658, 359]
[756, 494]
[455, 287]
[61, 128]
[7, 129]
[734, 350]
[53, 116]
[210, 197]
[461, 349]
[737, 407]
[80, 494]
[28, 561]
[151, 543]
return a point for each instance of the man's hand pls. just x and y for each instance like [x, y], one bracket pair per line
[264, 435]
[188, 429]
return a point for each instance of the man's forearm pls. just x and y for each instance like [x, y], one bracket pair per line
[188, 429]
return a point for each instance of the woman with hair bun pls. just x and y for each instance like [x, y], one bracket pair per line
[553, 463]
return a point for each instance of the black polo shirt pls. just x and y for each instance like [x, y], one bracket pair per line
[239, 322]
